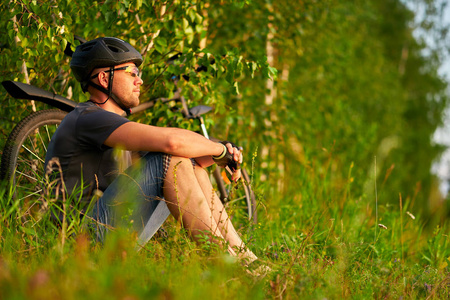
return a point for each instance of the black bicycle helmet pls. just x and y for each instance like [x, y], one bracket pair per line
[99, 53]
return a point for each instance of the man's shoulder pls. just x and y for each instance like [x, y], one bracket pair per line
[88, 116]
[88, 107]
[90, 110]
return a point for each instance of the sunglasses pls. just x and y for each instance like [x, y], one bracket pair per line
[133, 70]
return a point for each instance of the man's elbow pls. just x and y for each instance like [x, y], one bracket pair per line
[172, 145]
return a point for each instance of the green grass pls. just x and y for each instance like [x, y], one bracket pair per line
[321, 242]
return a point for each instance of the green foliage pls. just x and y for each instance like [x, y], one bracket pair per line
[344, 89]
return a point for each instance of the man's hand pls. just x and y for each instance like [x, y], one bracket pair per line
[230, 159]
[238, 157]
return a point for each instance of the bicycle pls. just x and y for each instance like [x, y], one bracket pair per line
[24, 151]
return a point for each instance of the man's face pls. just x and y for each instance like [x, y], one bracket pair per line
[126, 84]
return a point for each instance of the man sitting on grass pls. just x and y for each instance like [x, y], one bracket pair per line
[169, 177]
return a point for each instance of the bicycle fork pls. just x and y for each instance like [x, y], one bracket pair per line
[203, 127]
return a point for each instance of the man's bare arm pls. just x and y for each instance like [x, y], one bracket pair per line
[140, 137]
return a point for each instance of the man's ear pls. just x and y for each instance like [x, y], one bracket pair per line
[103, 79]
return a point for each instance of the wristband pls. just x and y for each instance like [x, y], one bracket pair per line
[225, 150]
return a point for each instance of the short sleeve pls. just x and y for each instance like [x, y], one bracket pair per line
[95, 125]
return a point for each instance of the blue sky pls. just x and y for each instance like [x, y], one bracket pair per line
[442, 136]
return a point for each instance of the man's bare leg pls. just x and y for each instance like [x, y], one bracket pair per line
[187, 203]
[220, 215]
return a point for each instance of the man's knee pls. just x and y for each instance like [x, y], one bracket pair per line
[182, 163]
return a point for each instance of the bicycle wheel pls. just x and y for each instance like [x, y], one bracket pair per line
[239, 197]
[25, 149]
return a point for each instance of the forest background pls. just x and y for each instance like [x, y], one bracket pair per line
[335, 103]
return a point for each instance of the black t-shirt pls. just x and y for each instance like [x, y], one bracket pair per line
[78, 144]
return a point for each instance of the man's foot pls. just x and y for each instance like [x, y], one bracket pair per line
[257, 268]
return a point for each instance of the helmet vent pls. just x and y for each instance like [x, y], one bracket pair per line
[115, 49]
[87, 47]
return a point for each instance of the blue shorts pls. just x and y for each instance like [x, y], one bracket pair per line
[135, 199]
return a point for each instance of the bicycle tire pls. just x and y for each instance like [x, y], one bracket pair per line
[25, 149]
[226, 193]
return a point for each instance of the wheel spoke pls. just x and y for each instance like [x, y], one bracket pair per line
[236, 200]
[34, 154]
[27, 176]
[38, 192]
